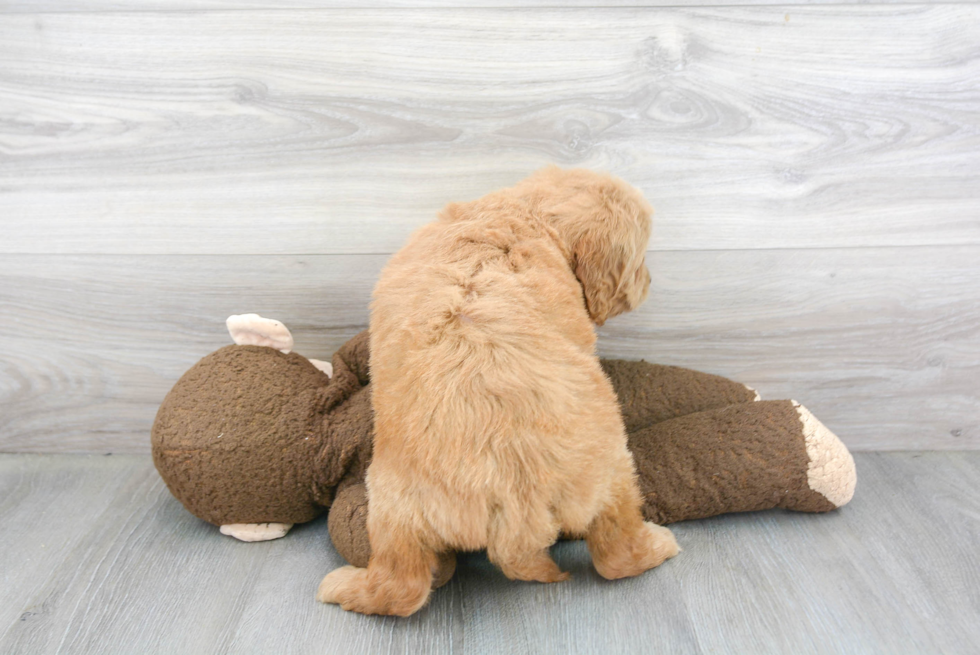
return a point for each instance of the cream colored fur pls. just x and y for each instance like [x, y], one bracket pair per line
[254, 330]
[256, 531]
[831, 471]
[495, 425]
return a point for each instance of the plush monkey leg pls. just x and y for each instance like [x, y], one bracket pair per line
[740, 458]
[347, 524]
[651, 393]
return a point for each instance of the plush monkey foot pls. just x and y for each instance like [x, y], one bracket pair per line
[831, 471]
[256, 531]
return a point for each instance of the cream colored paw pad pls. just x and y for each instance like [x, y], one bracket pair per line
[831, 471]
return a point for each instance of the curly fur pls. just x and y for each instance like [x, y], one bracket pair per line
[496, 427]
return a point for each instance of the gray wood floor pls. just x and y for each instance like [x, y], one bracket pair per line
[97, 557]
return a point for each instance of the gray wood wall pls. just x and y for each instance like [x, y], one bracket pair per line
[815, 170]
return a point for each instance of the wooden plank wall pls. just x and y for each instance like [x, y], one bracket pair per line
[815, 170]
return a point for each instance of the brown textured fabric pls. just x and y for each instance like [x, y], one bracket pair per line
[348, 442]
[347, 523]
[738, 458]
[651, 393]
[250, 435]
[234, 438]
[347, 422]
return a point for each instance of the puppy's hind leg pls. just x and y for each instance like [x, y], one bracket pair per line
[621, 543]
[518, 541]
[397, 580]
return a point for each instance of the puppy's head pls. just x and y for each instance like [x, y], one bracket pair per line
[605, 224]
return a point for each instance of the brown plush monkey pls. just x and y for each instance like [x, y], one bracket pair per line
[254, 439]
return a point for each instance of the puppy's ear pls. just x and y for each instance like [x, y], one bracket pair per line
[609, 249]
[601, 270]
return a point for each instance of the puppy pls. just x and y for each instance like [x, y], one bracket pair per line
[495, 426]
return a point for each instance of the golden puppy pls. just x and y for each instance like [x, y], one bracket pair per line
[495, 427]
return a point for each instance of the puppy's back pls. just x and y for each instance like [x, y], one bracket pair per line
[480, 338]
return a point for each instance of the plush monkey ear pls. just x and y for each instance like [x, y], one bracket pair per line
[253, 330]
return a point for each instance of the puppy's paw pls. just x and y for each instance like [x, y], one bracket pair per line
[540, 568]
[663, 544]
[338, 585]
[650, 546]
[349, 587]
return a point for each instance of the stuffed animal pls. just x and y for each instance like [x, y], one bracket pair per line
[255, 438]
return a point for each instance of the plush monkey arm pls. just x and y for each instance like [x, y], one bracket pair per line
[651, 393]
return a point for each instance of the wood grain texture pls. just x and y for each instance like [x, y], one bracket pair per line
[91, 6]
[296, 132]
[883, 345]
[94, 343]
[47, 506]
[98, 557]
